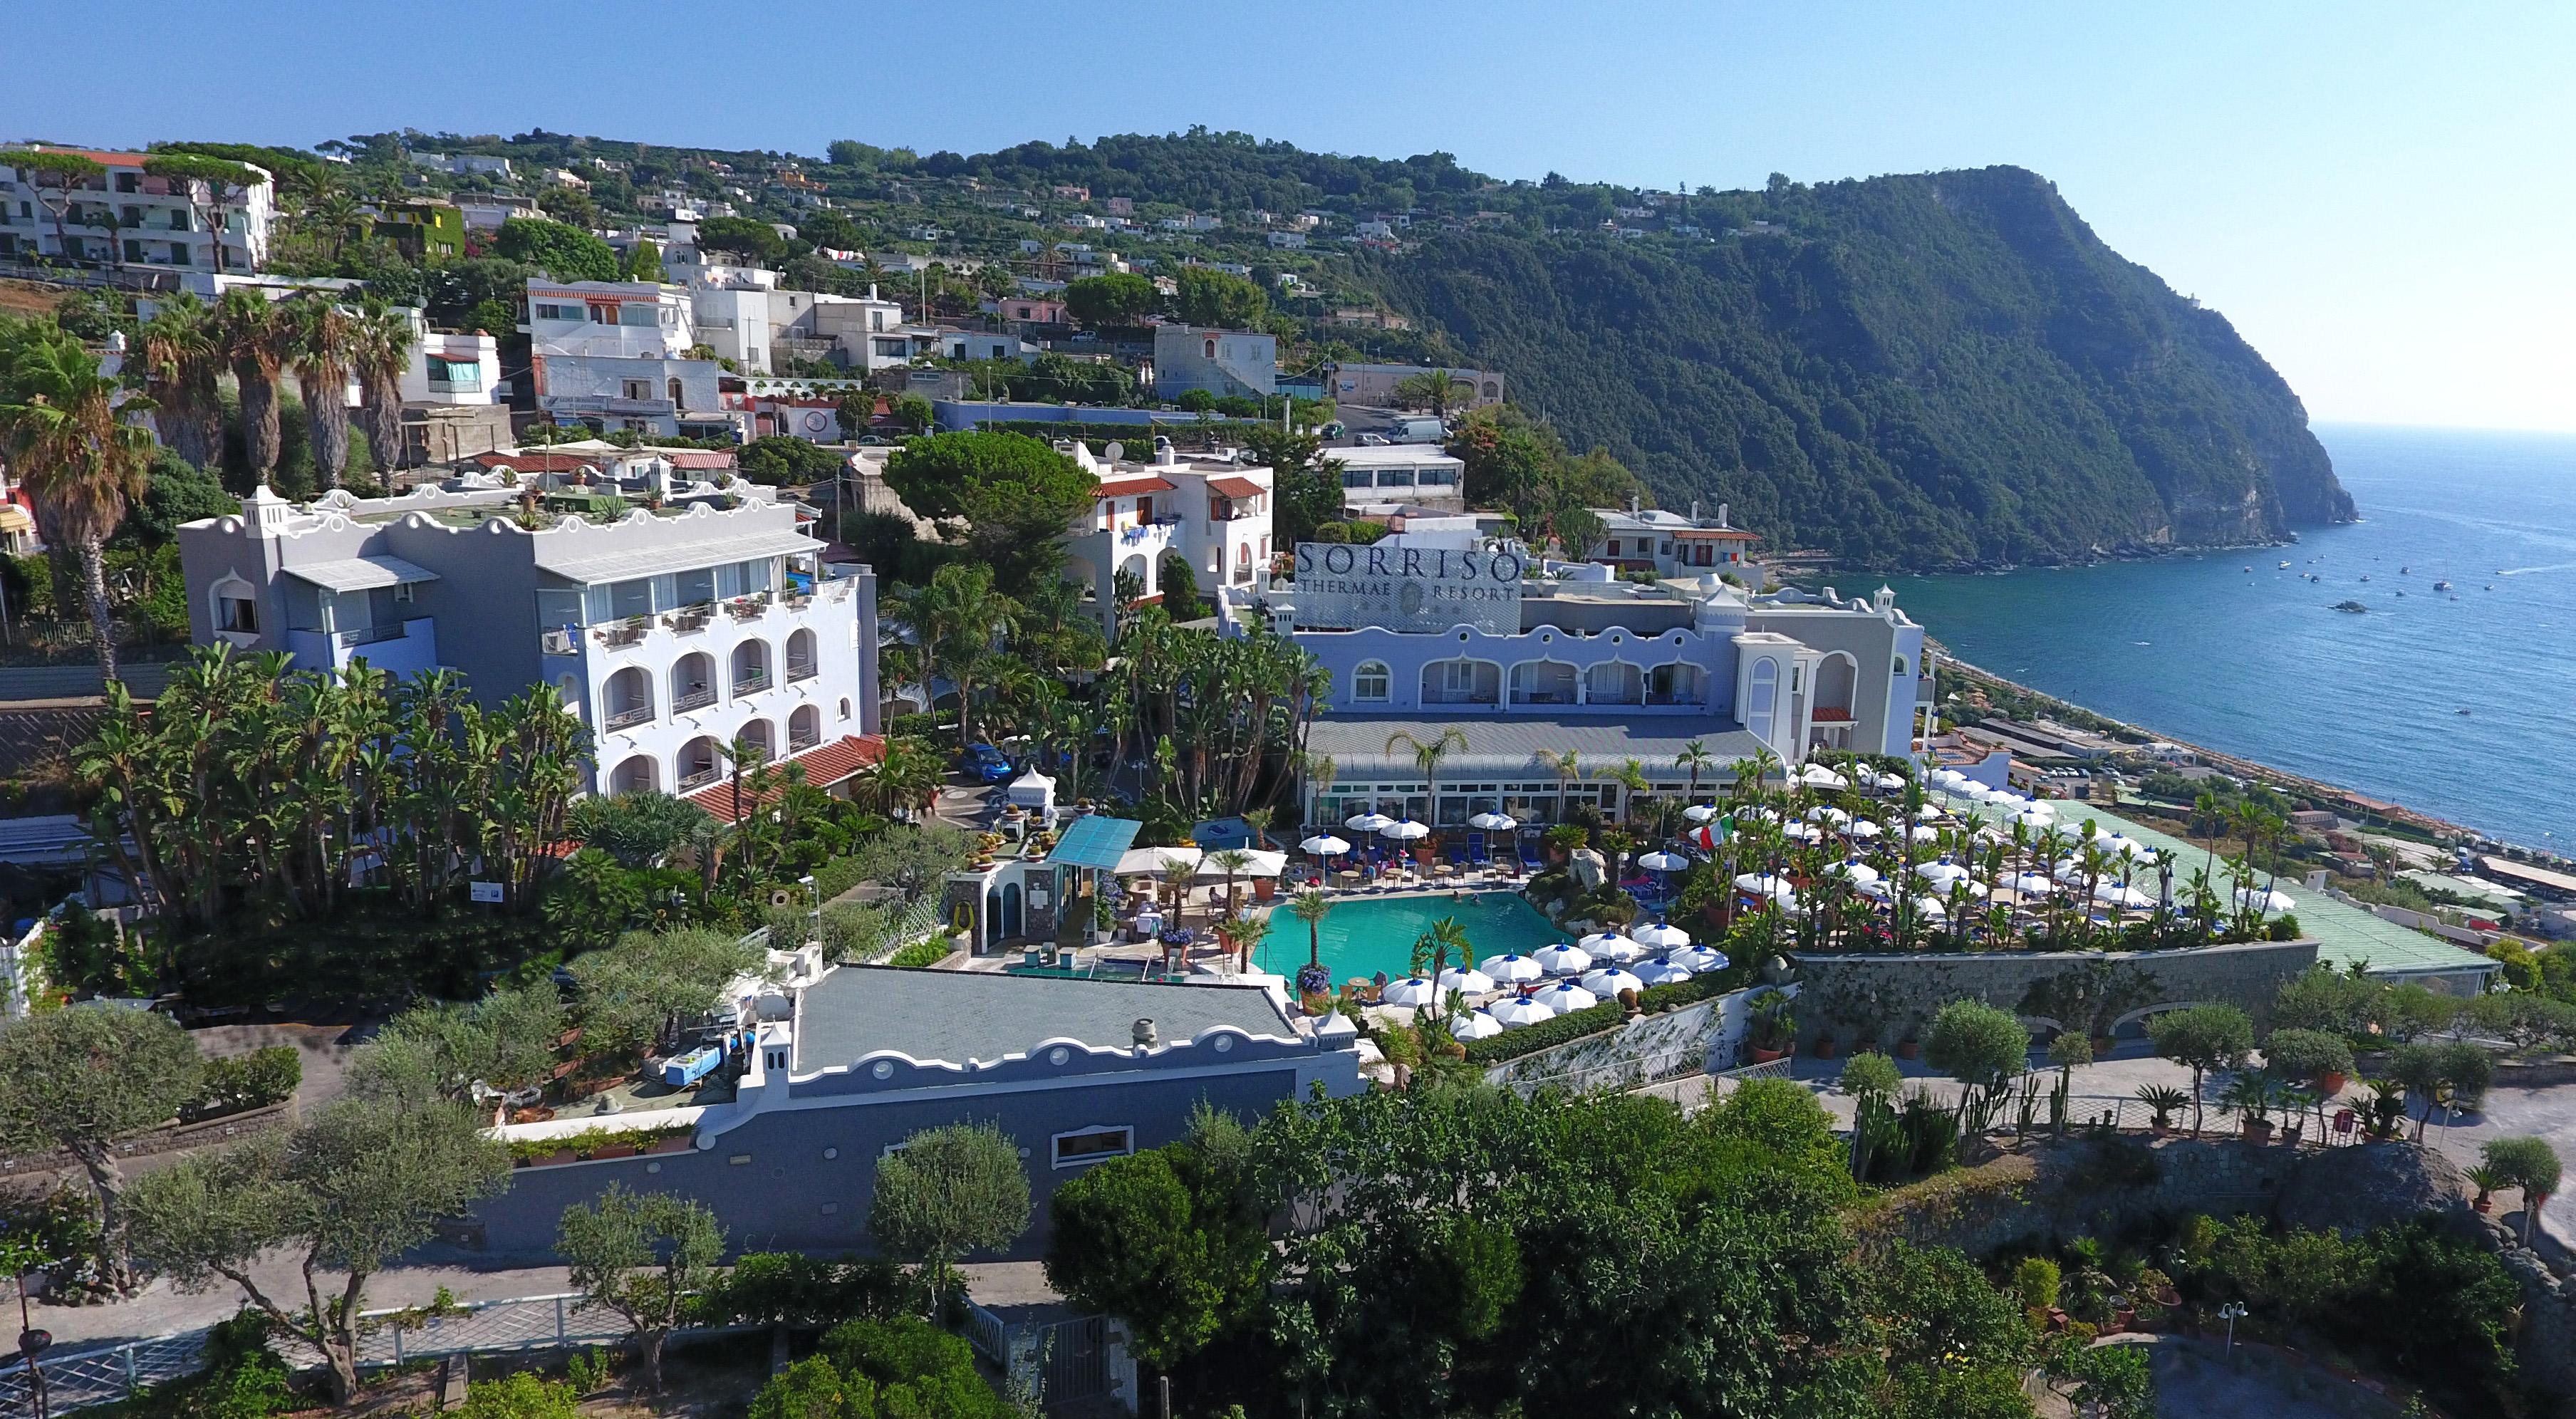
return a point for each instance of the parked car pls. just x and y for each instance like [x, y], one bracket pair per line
[1335, 430]
[1420, 429]
[986, 763]
[1372, 440]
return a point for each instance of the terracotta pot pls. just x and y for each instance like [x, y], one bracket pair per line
[2161, 1130]
[1765, 1056]
[676, 1143]
[2258, 1130]
[2126, 1318]
[559, 1156]
[1908, 1049]
[2483, 1204]
[617, 1150]
[2331, 1084]
[1824, 1047]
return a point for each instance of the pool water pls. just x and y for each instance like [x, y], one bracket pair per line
[1364, 935]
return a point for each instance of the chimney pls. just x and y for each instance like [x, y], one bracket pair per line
[1721, 515]
[1168, 457]
[1694, 512]
[1144, 1035]
[1632, 505]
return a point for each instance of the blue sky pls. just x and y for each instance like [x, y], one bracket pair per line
[2379, 196]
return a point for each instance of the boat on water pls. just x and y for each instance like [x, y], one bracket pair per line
[2441, 586]
[2285, 566]
[2459, 711]
[2401, 571]
[2354, 607]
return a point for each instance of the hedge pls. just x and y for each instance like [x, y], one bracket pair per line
[1608, 1015]
[921, 954]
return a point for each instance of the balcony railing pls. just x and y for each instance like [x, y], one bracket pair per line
[628, 719]
[800, 670]
[370, 635]
[690, 620]
[799, 743]
[700, 779]
[696, 697]
[744, 608]
[752, 683]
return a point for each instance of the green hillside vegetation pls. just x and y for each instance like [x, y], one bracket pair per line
[1913, 371]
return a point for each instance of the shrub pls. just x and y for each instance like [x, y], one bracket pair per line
[1870, 1074]
[1782, 1117]
[921, 955]
[2527, 1163]
[519, 1396]
[1977, 1044]
[248, 1081]
[788, 1288]
[2307, 1054]
[2036, 1281]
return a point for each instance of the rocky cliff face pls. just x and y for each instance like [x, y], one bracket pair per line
[1906, 371]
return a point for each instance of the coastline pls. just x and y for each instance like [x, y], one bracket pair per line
[2241, 767]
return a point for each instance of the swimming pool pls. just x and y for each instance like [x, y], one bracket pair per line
[1364, 935]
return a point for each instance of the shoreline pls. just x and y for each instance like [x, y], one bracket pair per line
[2236, 764]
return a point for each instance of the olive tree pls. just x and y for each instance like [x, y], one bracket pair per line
[2530, 1164]
[2203, 1037]
[945, 1193]
[349, 1190]
[1980, 1046]
[83, 1078]
[641, 1255]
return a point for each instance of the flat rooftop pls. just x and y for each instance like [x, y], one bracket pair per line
[965, 1016]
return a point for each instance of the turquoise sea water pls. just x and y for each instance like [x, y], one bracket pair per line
[1364, 935]
[2258, 664]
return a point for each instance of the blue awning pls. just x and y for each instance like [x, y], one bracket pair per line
[1096, 842]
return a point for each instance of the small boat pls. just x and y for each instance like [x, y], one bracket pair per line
[2490, 586]
[2441, 586]
[2285, 566]
[2401, 571]
[2249, 569]
[2459, 711]
[2354, 607]
[2365, 576]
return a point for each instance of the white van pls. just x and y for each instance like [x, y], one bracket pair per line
[1420, 429]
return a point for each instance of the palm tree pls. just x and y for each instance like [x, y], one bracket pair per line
[2211, 810]
[1178, 876]
[1233, 860]
[324, 345]
[1567, 766]
[1310, 906]
[382, 356]
[1433, 948]
[177, 355]
[255, 341]
[1630, 775]
[1427, 757]
[82, 462]
[1694, 757]
[1258, 820]
[956, 619]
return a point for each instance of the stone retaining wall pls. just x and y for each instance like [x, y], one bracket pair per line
[1864, 1001]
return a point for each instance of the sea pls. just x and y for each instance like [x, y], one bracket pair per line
[2458, 703]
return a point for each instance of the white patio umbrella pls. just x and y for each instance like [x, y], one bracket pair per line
[1818, 776]
[1493, 822]
[1700, 812]
[1948, 778]
[1764, 885]
[2114, 895]
[1469, 982]
[1977, 891]
[1804, 832]
[1512, 969]
[1476, 1025]
[1155, 861]
[1520, 1010]
[1560, 959]
[1325, 845]
[2265, 901]
[1927, 813]
[1412, 990]
[1259, 863]
[2032, 884]
[1609, 946]
[1662, 936]
[1875, 891]
[1701, 958]
[1863, 829]
[1852, 867]
[1367, 822]
[1827, 813]
[1941, 872]
[1565, 997]
[1922, 834]
[1663, 970]
[1664, 862]
[1610, 980]
[1931, 906]
[1404, 832]
[2036, 815]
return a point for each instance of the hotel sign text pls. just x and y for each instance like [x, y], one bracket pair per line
[1344, 587]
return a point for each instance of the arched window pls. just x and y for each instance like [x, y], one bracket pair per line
[1680, 683]
[804, 729]
[675, 396]
[1211, 347]
[756, 734]
[1371, 684]
[845, 707]
[700, 762]
[800, 655]
[1493, 389]
[629, 699]
[1614, 682]
[1764, 695]
[1900, 665]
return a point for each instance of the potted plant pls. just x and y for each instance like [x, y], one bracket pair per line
[677, 1140]
[2252, 1094]
[1773, 1027]
[1908, 1047]
[2486, 1179]
[2164, 1100]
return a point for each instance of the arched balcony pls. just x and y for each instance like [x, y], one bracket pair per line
[700, 762]
[1680, 683]
[804, 728]
[751, 667]
[756, 735]
[627, 699]
[693, 682]
[801, 662]
[636, 774]
[1542, 682]
[1614, 682]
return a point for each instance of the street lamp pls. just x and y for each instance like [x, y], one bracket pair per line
[2229, 1313]
[814, 915]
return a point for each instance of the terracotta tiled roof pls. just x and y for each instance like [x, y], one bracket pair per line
[1236, 487]
[1134, 487]
[825, 765]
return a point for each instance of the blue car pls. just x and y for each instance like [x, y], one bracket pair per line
[986, 763]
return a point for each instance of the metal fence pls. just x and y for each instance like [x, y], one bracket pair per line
[82, 1378]
[1629, 1072]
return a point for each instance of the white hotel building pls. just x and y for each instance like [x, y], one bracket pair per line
[127, 217]
[1214, 515]
[669, 632]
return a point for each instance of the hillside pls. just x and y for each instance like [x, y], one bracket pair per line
[1921, 371]
[1915, 371]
